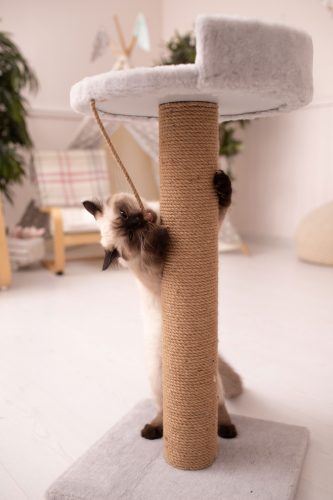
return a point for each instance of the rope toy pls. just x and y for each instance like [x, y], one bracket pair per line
[111, 147]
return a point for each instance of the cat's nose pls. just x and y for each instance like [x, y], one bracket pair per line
[134, 221]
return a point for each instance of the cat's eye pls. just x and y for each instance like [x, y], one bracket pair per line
[123, 214]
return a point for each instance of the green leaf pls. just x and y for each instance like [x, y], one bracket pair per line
[15, 76]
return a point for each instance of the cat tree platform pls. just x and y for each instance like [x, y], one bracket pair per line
[243, 69]
[249, 68]
[263, 462]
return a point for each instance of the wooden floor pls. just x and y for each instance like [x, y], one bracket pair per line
[71, 361]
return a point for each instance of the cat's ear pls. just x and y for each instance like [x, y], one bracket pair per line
[94, 207]
[111, 256]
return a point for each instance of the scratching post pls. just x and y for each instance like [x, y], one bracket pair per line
[244, 69]
[188, 160]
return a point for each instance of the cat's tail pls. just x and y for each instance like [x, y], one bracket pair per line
[231, 381]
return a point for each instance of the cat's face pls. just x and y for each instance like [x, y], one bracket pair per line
[125, 232]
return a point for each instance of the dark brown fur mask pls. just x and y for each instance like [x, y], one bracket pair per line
[128, 233]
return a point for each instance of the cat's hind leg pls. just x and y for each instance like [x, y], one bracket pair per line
[231, 380]
[154, 430]
[225, 427]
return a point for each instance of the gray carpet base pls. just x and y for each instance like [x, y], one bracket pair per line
[263, 462]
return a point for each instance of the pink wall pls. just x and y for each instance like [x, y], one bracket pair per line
[286, 170]
[57, 38]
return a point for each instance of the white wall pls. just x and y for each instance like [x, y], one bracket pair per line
[287, 166]
[285, 171]
[57, 37]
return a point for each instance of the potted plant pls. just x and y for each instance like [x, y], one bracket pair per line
[15, 76]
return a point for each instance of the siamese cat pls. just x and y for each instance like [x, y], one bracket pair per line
[140, 242]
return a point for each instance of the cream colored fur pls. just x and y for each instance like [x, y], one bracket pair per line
[149, 284]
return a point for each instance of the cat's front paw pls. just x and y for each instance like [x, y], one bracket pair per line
[223, 188]
[227, 431]
[152, 432]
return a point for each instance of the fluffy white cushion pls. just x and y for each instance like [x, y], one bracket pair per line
[77, 220]
[249, 67]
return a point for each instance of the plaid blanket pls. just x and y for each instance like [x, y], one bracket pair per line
[66, 178]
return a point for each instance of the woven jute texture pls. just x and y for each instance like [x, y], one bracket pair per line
[189, 208]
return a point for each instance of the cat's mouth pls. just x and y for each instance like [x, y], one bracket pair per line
[130, 227]
[134, 222]
[129, 223]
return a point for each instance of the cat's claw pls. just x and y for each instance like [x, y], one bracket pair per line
[227, 431]
[152, 432]
[223, 188]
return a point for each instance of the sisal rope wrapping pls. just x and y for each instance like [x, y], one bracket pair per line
[189, 208]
